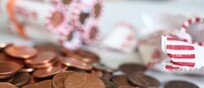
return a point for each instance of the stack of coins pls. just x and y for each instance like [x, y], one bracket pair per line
[71, 22]
[52, 66]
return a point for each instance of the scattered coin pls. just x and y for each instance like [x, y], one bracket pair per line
[180, 84]
[50, 71]
[75, 63]
[139, 79]
[121, 80]
[24, 52]
[9, 68]
[129, 68]
[7, 85]
[58, 79]
[83, 80]
[21, 79]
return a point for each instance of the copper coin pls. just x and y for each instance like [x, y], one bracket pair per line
[96, 72]
[126, 86]
[8, 68]
[143, 80]
[7, 85]
[107, 75]
[47, 47]
[129, 68]
[87, 56]
[23, 52]
[42, 58]
[42, 84]
[97, 10]
[121, 80]
[50, 71]
[180, 84]
[45, 65]
[7, 79]
[75, 63]
[21, 78]
[109, 84]
[83, 80]
[56, 19]
[83, 16]
[59, 78]
[5, 58]
[103, 67]
[66, 2]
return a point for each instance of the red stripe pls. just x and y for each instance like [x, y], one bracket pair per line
[190, 21]
[180, 47]
[182, 56]
[172, 38]
[190, 64]
[184, 26]
[197, 19]
[169, 67]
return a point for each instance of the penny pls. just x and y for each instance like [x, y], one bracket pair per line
[23, 52]
[21, 78]
[42, 58]
[7, 85]
[75, 63]
[59, 78]
[45, 65]
[5, 58]
[9, 68]
[87, 56]
[129, 68]
[56, 19]
[102, 67]
[180, 84]
[4, 45]
[121, 80]
[47, 47]
[96, 72]
[109, 84]
[66, 2]
[143, 80]
[107, 75]
[97, 10]
[83, 16]
[50, 71]
[7, 79]
[126, 86]
[42, 84]
[83, 80]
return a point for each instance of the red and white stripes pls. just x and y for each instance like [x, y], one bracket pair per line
[182, 55]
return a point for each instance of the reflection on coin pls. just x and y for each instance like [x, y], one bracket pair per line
[59, 78]
[180, 84]
[75, 63]
[129, 68]
[7, 79]
[50, 71]
[143, 80]
[23, 52]
[83, 80]
[7, 85]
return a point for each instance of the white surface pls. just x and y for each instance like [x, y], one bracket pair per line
[116, 12]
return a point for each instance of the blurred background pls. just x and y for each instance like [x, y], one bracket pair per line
[147, 18]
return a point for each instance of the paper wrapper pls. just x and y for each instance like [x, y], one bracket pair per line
[122, 39]
[60, 17]
[183, 53]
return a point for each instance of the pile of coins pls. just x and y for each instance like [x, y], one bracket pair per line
[51, 66]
